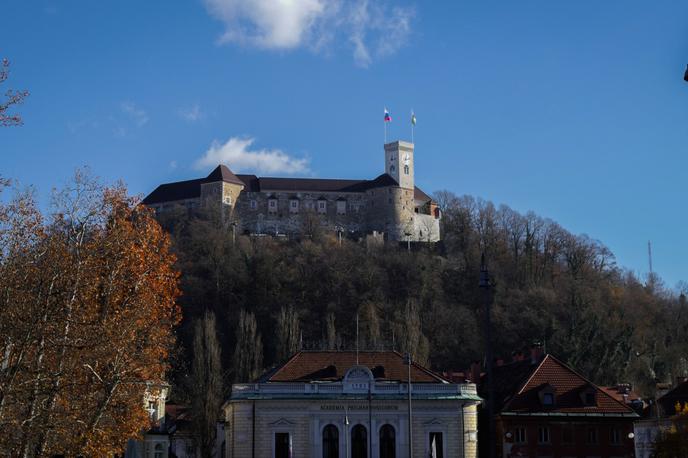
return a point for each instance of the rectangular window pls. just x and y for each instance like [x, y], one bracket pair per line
[543, 435]
[592, 436]
[322, 206]
[567, 436]
[520, 435]
[341, 207]
[548, 399]
[293, 206]
[435, 445]
[254, 204]
[615, 436]
[282, 445]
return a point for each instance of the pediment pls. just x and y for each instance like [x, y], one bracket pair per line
[434, 421]
[282, 422]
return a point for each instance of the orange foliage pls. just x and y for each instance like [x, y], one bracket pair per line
[87, 312]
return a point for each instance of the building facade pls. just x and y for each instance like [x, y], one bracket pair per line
[389, 204]
[326, 404]
[544, 408]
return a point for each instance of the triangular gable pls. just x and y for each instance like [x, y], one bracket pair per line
[568, 385]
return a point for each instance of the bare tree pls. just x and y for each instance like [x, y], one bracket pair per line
[206, 369]
[12, 98]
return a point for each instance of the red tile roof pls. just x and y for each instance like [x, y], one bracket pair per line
[333, 365]
[519, 384]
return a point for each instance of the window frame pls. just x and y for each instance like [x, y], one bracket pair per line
[517, 435]
[544, 435]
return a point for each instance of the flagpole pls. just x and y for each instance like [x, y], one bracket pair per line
[412, 125]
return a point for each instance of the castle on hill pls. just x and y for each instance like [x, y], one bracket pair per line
[390, 204]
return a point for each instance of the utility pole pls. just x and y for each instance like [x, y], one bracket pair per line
[486, 287]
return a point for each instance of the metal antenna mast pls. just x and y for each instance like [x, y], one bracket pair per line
[649, 254]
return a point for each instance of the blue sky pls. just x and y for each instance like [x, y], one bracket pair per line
[575, 110]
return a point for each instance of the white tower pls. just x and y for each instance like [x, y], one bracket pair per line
[399, 163]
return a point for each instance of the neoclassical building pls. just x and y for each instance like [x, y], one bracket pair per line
[344, 404]
[390, 204]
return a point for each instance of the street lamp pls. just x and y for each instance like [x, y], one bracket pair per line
[407, 360]
[486, 287]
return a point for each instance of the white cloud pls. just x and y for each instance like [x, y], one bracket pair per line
[237, 154]
[191, 114]
[373, 29]
[138, 115]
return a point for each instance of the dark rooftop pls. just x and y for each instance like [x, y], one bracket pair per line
[191, 189]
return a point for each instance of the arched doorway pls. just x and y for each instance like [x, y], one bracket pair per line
[387, 442]
[330, 442]
[359, 442]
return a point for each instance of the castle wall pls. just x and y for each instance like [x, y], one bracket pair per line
[344, 210]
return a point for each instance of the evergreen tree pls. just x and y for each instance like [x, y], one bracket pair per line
[248, 353]
[206, 378]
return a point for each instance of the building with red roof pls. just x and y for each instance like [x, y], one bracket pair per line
[544, 408]
[327, 404]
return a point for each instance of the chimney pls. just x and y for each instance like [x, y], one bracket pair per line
[536, 353]
[475, 371]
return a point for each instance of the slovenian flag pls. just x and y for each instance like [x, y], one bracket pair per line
[388, 118]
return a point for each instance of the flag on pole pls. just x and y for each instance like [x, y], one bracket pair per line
[388, 118]
[413, 118]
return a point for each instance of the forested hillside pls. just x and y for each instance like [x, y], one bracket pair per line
[270, 297]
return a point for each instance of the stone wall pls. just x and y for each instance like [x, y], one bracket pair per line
[389, 210]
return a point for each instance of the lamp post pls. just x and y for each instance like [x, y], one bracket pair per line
[486, 287]
[407, 360]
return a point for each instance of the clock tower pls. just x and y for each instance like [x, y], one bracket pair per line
[399, 163]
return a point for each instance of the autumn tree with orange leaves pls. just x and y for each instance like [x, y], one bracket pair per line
[87, 310]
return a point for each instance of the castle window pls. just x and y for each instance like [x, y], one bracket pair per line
[228, 200]
[254, 204]
[272, 206]
[322, 206]
[293, 206]
[406, 169]
[391, 169]
[341, 207]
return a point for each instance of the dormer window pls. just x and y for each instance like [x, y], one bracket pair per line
[547, 396]
[588, 396]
